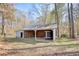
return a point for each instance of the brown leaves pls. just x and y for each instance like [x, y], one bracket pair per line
[8, 10]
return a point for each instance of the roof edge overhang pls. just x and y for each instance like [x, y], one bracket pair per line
[42, 28]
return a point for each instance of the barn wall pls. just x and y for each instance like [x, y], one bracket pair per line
[29, 33]
[18, 34]
[40, 33]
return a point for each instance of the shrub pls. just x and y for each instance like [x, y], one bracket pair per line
[77, 33]
[64, 35]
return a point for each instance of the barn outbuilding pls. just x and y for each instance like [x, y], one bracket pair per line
[46, 32]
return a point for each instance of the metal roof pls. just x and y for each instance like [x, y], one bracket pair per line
[41, 27]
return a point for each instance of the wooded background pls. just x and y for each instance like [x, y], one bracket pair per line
[65, 15]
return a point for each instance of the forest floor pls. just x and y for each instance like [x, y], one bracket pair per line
[31, 47]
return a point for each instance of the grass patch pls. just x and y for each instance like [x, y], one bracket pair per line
[26, 40]
[31, 42]
[73, 45]
[63, 40]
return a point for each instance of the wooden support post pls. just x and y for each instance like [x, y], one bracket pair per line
[45, 34]
[35, 35]
[54, 34]
[23, 34]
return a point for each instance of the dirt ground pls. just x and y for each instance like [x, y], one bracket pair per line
[6, 49]
[43, 51]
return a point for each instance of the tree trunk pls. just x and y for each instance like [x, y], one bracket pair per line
[71, 21]
[73, 31]
[2, 24]
[57, 20]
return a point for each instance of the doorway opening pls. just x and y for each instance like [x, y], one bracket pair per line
[21, 34]
[49, 35]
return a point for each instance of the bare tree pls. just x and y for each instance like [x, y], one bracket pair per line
[57, 19]
[71, 20]
[6, 14]
[42, 11]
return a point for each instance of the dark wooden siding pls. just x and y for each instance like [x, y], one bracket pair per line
[40, 33]
[29, 33]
